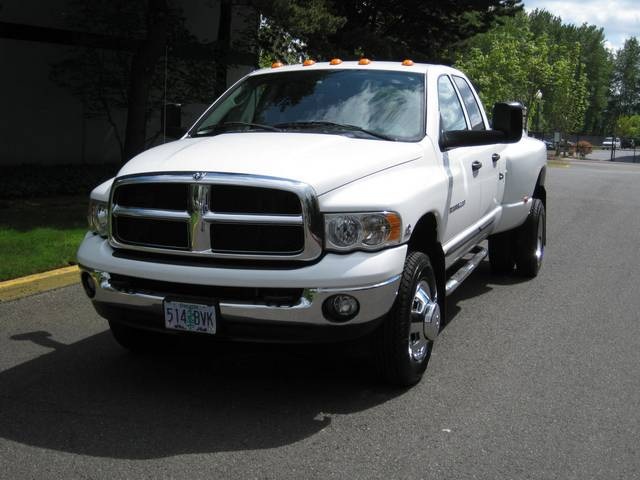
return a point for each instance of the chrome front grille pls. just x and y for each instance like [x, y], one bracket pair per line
[216, 215]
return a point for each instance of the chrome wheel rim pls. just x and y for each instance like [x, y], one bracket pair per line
[425, 321]
[539, 253]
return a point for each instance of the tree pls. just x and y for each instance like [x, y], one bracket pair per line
[286, 26]
[566, 92]
[384, 29]
[593, 54]
[628, 126]
[143, 66]
[597, 67]
[124, 73]
[510, 62]
[625, 85]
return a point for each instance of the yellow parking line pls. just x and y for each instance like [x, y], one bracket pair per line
[558, 164]
[39, 282]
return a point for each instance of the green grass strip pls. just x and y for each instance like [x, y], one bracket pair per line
[40, 234]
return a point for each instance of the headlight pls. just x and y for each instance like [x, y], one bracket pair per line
[362, 231]
[98, 217]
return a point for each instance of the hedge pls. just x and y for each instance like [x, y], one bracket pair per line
[28, 181]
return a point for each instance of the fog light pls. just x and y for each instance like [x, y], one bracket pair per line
[88, 284]
[340, 308]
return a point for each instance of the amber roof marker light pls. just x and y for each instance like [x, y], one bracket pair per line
[335, 61]
[276, 64]
[308, 62]
[407, 63]
[364, 61]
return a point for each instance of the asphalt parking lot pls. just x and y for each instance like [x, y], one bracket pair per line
[529, 379]
[625, 155]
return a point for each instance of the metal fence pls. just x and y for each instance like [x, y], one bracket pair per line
[628, 151]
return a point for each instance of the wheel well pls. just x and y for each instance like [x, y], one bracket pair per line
[425, 239]
[540, 191]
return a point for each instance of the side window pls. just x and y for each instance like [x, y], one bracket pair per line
[470, 103]
[451, 113]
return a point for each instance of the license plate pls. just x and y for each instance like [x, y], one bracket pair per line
[190, 317]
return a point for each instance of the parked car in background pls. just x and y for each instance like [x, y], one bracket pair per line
[608, 142]
[549, 144]
[627, 142]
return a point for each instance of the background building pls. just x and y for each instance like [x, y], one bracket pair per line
[44, 122]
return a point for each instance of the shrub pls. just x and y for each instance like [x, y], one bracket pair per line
[28, 181]
[584, 148]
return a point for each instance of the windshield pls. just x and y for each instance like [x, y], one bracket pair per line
[362, 103]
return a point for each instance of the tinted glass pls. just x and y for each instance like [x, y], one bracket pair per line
[475, 117]
[388, 103]
[451, 113]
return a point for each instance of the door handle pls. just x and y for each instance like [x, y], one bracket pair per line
[475, 166]
[495, 157]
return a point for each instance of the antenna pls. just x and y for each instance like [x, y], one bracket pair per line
[164, 103]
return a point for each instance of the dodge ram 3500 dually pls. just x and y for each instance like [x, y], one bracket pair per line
[319, 202]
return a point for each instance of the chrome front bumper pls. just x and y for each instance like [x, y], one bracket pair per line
[375, 301]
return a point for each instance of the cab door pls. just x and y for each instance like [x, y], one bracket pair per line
[493, 166]
[465, 190]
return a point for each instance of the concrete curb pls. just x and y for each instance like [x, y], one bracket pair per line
[37, 283]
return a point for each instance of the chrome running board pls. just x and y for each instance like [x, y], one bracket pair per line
[463, 272]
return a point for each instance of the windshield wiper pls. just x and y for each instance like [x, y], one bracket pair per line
[221, 127]
[332, 125]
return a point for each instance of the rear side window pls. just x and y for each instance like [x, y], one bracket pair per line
[470, 103]
[451, 113]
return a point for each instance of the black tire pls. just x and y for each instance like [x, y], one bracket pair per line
[501, 252]
[137, 340]
[402, 348]
[531, 239]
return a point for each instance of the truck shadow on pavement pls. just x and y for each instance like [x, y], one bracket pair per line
[93, 398]
[478, 283]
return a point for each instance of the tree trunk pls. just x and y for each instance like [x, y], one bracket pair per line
[142, 68]
[223, 43]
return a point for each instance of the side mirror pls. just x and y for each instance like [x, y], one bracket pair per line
[507, 128]
[507, 118]
[469, 138]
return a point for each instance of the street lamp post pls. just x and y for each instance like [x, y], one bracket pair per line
[538, 97]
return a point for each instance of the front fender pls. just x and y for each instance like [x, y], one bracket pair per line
[412, 190]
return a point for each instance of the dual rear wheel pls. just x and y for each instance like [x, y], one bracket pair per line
[521, 248]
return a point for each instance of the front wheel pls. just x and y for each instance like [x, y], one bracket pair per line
[405, 339]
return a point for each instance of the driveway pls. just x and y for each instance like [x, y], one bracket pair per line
[530, 379]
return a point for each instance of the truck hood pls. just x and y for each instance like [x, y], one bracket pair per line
[323, 161]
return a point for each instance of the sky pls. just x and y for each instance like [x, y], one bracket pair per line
[620, 19]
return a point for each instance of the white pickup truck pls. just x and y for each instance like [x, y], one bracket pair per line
[319, 202]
